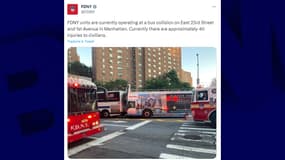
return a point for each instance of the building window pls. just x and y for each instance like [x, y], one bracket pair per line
[149, 70]
[119, 51]
[103, 65]
[110, 49]
[140, 75]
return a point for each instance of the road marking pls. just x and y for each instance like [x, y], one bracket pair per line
[196, 140]
[185, 131]
[173, 156]
[114, 121]
[95, 142]
[192, 149]
[179, 134]
[115, 125]
[138, 125]
[199, 129]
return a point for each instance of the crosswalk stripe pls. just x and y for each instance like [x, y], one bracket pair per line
[202, 132]
[115, 125]
[179, 134]
[173, 156]
[192, 149]
[199, 129]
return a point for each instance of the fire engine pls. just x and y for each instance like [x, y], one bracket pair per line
[203, 106]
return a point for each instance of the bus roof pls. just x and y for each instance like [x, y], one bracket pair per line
[76, 82]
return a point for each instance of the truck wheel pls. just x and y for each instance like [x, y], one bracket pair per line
[147, 113]
[213, 119]
[105, 114]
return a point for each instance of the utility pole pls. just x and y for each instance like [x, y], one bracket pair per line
[198, 80]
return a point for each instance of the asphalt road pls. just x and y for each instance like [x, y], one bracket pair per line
[168, 138]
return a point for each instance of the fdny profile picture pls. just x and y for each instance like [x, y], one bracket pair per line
[72, 9]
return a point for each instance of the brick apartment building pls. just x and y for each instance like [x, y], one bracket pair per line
[134, 64]
[72, 55]
[186, 77]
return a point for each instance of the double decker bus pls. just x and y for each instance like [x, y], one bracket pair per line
[159, 103]
[112, 103]
[203, 106]
[83, 118]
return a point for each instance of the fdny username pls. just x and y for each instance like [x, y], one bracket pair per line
[89, 6]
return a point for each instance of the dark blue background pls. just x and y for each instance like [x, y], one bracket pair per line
[253, 79]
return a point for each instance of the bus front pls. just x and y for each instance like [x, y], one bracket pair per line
[83, 118]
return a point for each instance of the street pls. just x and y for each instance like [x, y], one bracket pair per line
[166, 138]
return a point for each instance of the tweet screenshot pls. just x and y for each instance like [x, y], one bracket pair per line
[142, 79]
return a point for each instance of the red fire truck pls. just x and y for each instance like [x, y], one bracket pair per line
[83, 118]
[203, 106]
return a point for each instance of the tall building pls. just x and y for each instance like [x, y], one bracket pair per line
[186, 77]
[134, 64]
[111, 64]
[72, 55]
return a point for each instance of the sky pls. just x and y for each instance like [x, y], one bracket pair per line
[207, 62]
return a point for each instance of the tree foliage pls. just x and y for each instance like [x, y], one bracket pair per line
[118, 84]
[167, 81]
[80, 69]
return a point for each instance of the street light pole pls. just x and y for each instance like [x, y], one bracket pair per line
[198, 80]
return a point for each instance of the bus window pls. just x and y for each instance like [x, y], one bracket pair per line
[131, 104]
[202, 95]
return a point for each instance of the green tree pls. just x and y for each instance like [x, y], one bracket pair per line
[168, 81]
[118, 84]
[80, 69]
